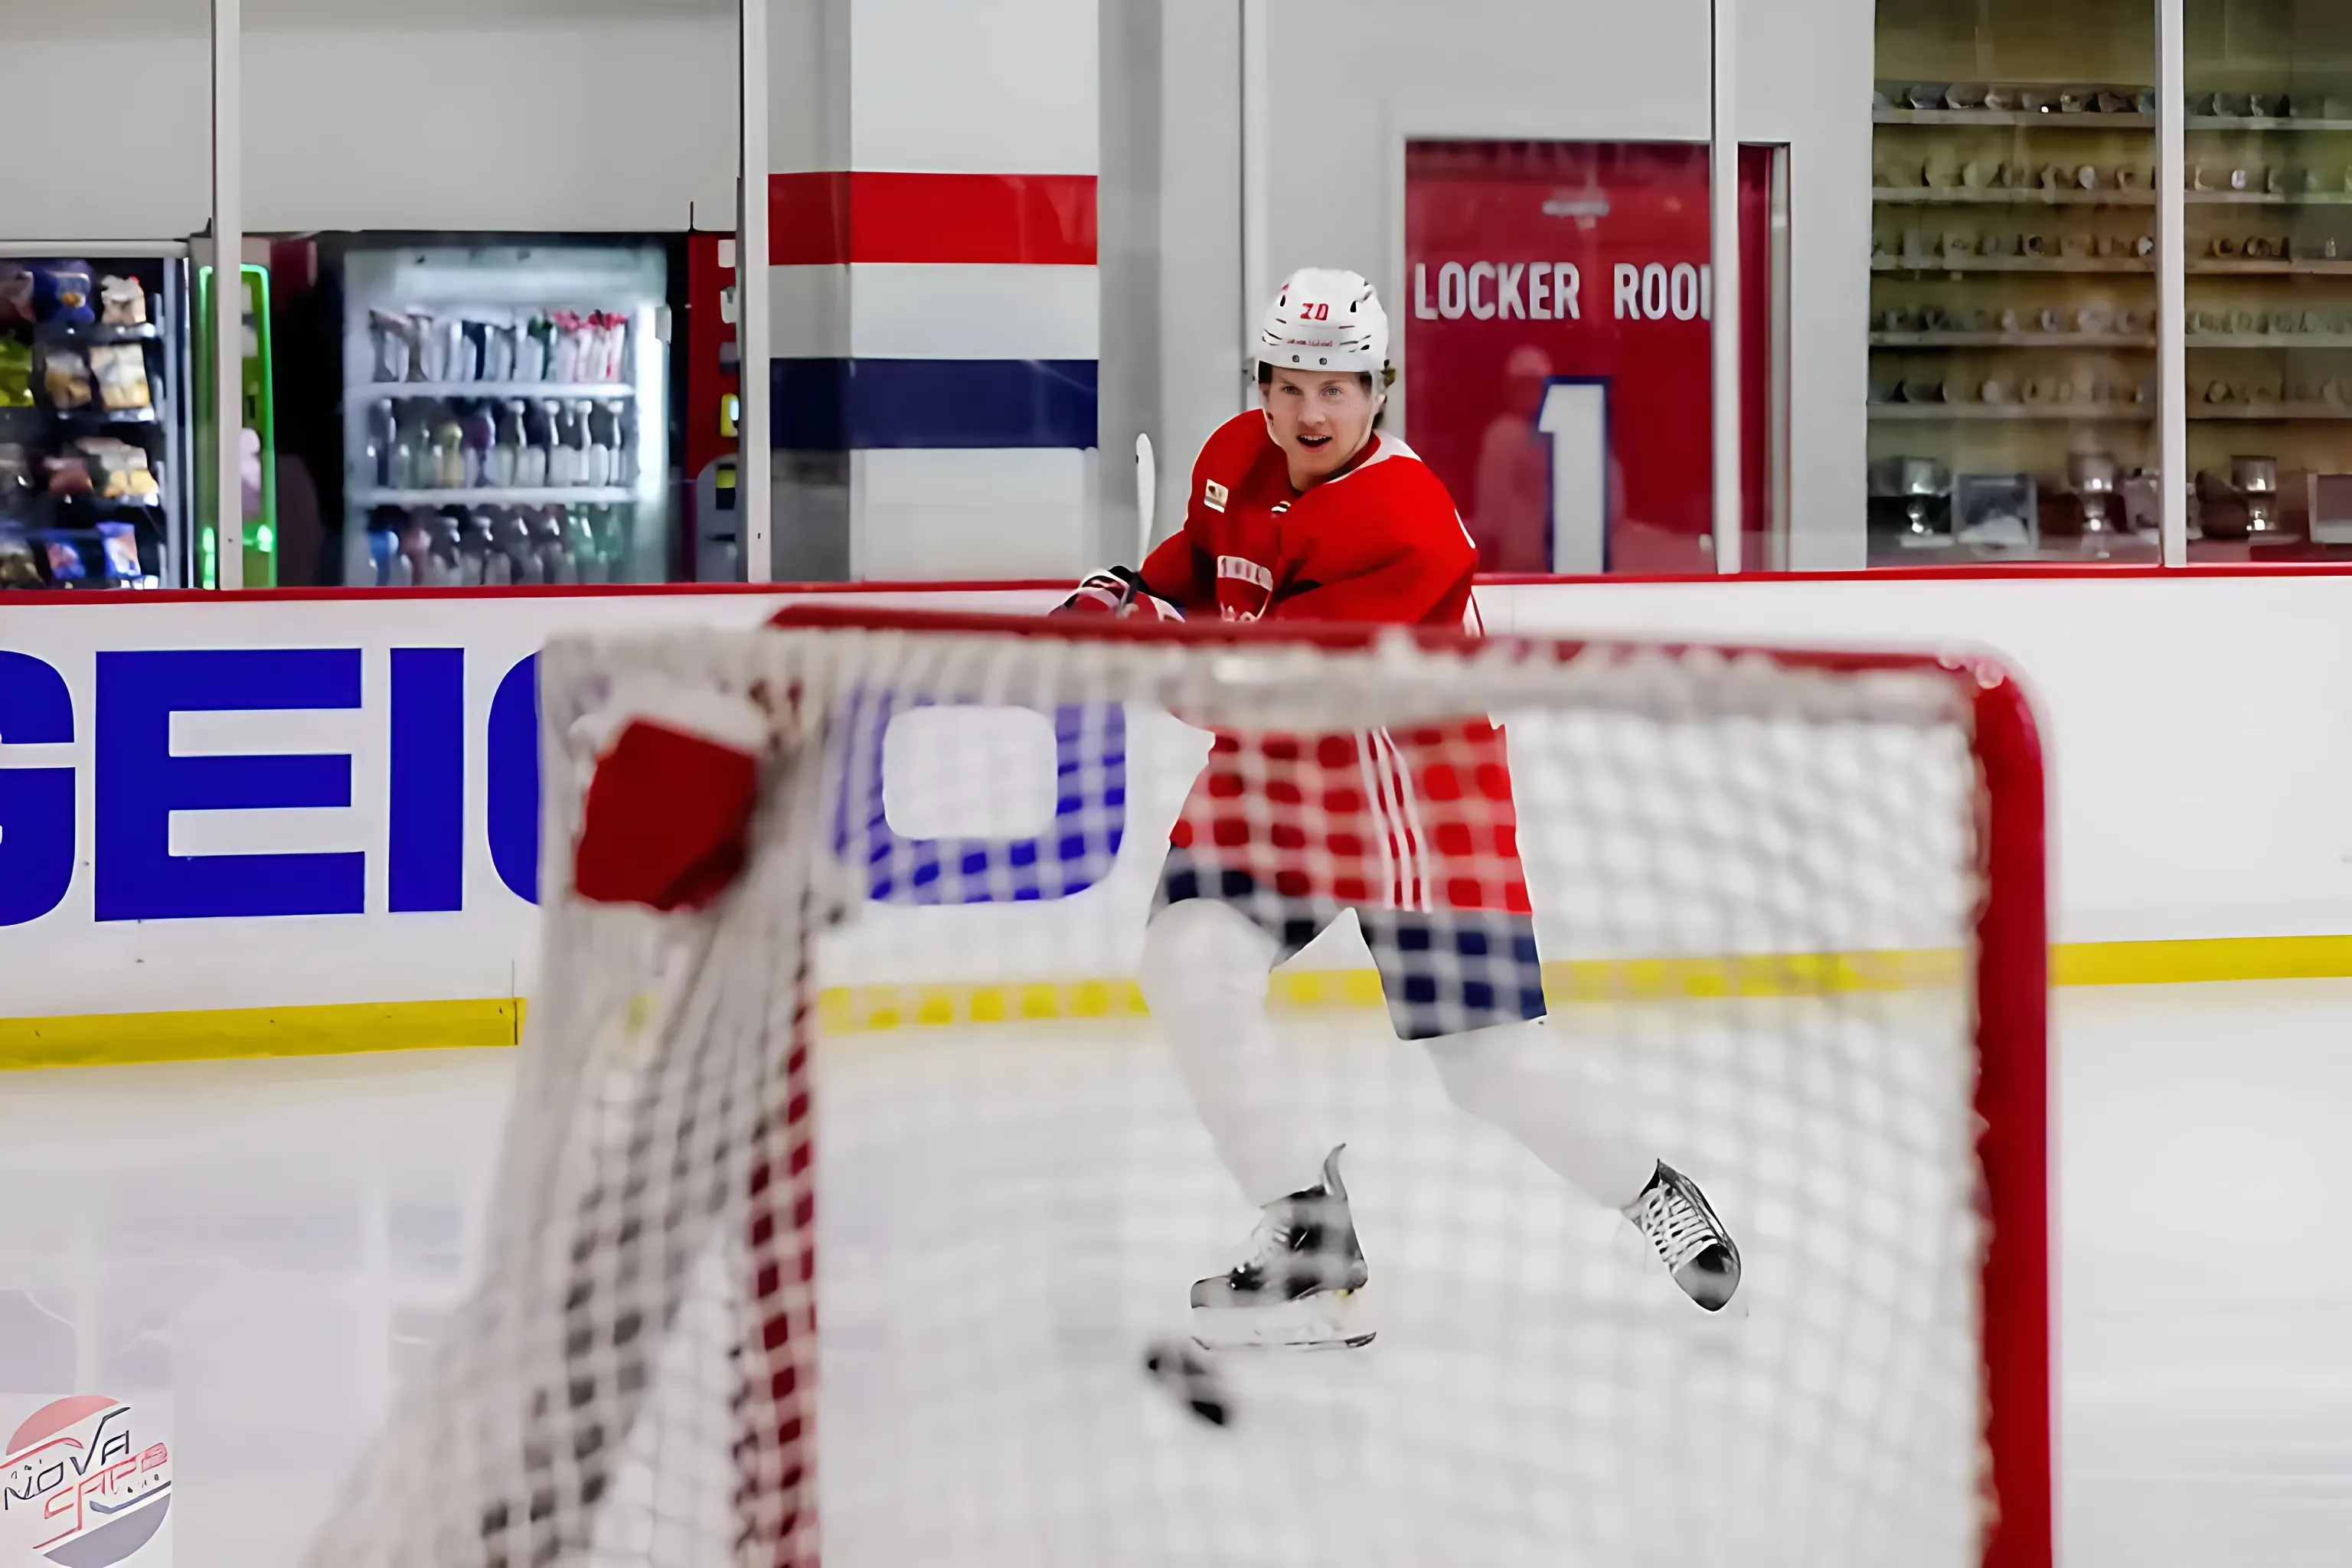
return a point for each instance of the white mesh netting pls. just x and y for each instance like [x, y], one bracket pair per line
[943, 1128]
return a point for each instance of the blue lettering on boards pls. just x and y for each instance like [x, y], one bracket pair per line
[513, 746]
[1072, 854]
[140, 783]
[425, 837]
[36, 805]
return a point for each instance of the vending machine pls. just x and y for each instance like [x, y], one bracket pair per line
[94, 431]
[505, 415]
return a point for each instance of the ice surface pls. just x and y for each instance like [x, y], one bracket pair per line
[272, 1245]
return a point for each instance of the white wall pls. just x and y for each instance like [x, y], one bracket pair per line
[596, 125]
[1200, 380]
[964, 88]
[506, 114]
[108, 142]
[808, 85]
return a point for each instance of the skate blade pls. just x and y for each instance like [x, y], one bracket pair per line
[1327, 1320]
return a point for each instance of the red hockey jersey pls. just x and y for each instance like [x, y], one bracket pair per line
[1415, 820]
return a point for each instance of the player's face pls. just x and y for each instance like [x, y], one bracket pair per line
[1321, 421]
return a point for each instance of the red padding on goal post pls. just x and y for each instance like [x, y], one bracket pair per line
[2013, 1099]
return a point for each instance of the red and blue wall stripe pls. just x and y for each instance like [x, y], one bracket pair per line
[837, 218]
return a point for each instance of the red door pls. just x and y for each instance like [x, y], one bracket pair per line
[1557, 305]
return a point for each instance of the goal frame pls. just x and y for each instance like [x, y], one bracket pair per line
[2009, 989]
[2011, 983]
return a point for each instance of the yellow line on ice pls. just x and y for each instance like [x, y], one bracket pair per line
[217, 1035]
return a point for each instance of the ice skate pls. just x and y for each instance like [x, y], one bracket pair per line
[1302, 1286]
[1698, 1252]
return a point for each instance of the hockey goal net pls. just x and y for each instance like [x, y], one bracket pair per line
[838, 1217]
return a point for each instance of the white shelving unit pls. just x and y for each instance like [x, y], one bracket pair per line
[2251, 122]
[2268, 411]
[2014, 340]
[501, 390]
[2017, 264]
[2054, 119]
[2010, 195]
[2270, 339]
[486, 495]
[2013, 413]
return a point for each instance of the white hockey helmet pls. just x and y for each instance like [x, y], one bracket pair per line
[1325, 319]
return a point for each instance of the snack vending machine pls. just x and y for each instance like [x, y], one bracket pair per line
[505, 414]
[93, 425]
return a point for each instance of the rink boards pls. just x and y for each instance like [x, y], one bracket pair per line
[374, 892]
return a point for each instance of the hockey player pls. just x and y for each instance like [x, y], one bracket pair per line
[1300, 512]
[1304, 511]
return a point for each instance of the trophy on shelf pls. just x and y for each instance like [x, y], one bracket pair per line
[2256, 479]
[2247, 505]
[1911, 503]
[2095, 481]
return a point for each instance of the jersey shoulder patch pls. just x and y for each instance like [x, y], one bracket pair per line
[1226, 462]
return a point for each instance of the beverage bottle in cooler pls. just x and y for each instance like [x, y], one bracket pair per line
[532, 343]
[383, 550]
[506, 447]
[414, 568]
[473, 550]
[596, 419]
[412, 449]
[447, 563]
[510, 538]
[538, 441]
[580, 543]
[624, 444]
[572, 443]
[448, 449]
[377, 463]
[547, 535]
[612, 525]
[481, 432]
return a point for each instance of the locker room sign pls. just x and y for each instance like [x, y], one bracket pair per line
[1556, 347]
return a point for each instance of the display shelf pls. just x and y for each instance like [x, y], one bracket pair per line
[485, 495]
[2123, 548]
[2252, 122]
[96, 333]
[2014, 340]
[2270, 339]
[2268, 198]
[2215, 268]
[1987, 195]
[2082, 119]
[2016, 264]
[404, 389]
[2264, 413]
[92, 418]
[85, 500]
[2010, 412]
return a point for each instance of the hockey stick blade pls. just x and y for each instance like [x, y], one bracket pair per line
[1183, 1370]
